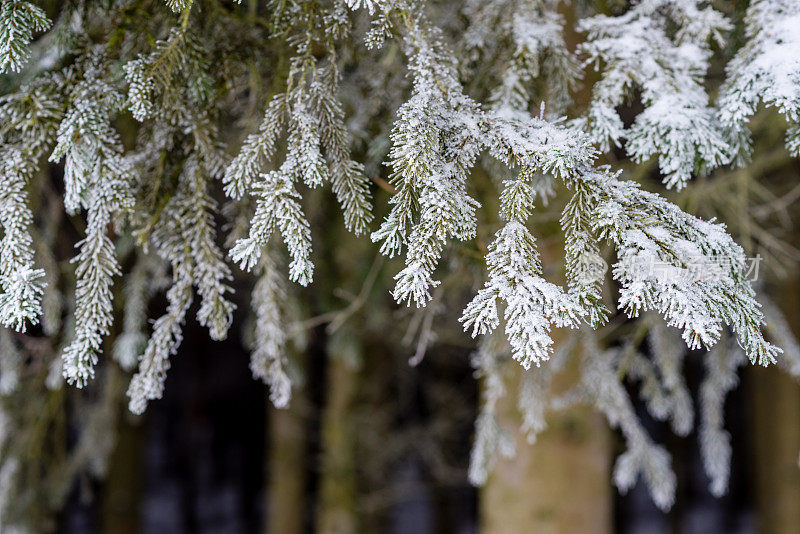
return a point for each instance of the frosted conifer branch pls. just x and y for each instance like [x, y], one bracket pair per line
[268, 360]
[30, 118]
[22, 285]
[585, 266]
[533, 401]
[139, 287]
[188, 243]
[185, 236]
[490, 440]
[148, 383]
[659, 248]
[97, 178]
[179, 5]
[531, 303]
[277, 206]
[256, 151]
[645, 229]
[369, 5]
[317, 151]
[18, 21]
[210, 273]
[438, 108]
[435, 142]
[348, 181]
[525, 39]
[642, 457]
[154, 79]
[668, 355]
[722, 363]
[766, 69]
[640, 51]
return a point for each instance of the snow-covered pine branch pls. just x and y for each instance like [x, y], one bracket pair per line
[524, 39]
[689, 270]
[317, 151]
[584, 263]
[30, 118]
[490, 440]
[185, 236]
[435, 142]
[715, 442]
[766, 69]
[18, 21]
[668, 356]
[98, 179]
[642, 456]
[532, 304]
[138, 290]
[179, 5]
[436, 139]
[268, 360]
[20, 301]
[661, 48]
[181, 227]
[182, 84]
[148, 383]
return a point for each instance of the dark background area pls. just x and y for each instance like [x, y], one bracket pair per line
[198, 461]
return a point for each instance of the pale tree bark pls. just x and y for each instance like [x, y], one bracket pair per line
[287, 506]
[336, 507]
[561, 483]
[776, 444]
[775, 398]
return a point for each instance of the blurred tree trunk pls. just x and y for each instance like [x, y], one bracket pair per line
[775, 399]
[559, 485]
[776, 436]
[123, 484]
[336, 509]
[286, 511]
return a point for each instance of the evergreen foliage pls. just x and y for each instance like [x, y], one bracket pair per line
[179, 122]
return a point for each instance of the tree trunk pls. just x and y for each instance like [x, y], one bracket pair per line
[775, 398]
[559, 485]
[336, 512]
[123, 484]
[287, 508]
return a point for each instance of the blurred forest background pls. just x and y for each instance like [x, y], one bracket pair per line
[386, 449]
[378, 434]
